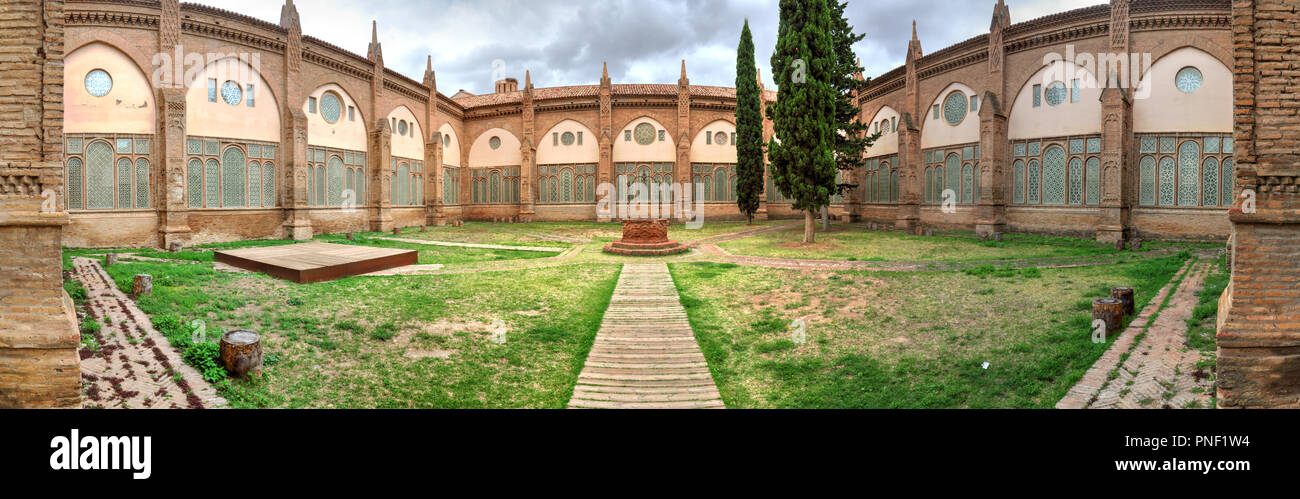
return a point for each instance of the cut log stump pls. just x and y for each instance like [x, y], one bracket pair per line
[142, 285]
[1109, 310]
[110, 259]
[241, 352]
[1124, 294]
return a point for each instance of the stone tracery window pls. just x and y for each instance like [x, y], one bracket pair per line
[1188, 79]
[106, 172]
[644, 134]
[955, 108]
[1055, 93]
[1197, 175]
[331, 107]
[1057, 171]
[567, 183]
[222, 173]
[714, 182]
[232, 93]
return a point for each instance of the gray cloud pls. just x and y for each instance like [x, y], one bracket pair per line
[563, 42]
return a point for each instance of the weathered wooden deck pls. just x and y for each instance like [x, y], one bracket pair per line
[316, 262]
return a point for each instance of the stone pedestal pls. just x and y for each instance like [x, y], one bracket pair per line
[645, 238]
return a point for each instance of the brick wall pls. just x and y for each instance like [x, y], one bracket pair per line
[1259, 329]
[38, 336]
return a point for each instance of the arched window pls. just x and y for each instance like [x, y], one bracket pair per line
[1210, 182]
[320, 185]
[124, 183]
[311, 186]
[402, 186]
[74, 183]
[1166, 181]
[952, 166]
[255, 183]
[1054, 175]
[929, 184]
[141, 183]
[1032, 185]
[1018, 196]
[720, 185]
[1189, 159]
[886, 179]
[566, 185]
[975, 184]
[494, 187]
[268, 184]
[334, 181]
[1147, 174]
[967, 179]
[212, 184]
[194, 183]
[1226, 192]
[893, 186]
[99, 176]
[234, 168]
[1093, 178]
[1076, 181]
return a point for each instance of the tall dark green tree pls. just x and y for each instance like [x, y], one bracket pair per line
[853, 139]
[802, 152]
[749, 128]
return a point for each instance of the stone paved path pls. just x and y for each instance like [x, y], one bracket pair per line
[1160, 370]
[645, 355]
[135, 367]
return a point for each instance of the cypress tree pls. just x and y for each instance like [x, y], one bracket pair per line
[804, 65]
[853, 140]
[749, 128]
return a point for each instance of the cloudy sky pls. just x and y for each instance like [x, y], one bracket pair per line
[563, 42]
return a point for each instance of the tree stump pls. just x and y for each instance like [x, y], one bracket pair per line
[1135, 244]
[176, 247]
[1124, 294]
[422, 227]
[349, 236]
[241, 352]
[1109, 310]
[142, 285]
[997, 236]
[110, 259]
[397, 231]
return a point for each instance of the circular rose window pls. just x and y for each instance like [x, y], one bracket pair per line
[1188, 79]
[644, 134]
[495, 142]
[567, 138]
[99, 83]
[232, 93]
[720, 138]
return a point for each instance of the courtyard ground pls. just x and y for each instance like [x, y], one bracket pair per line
[880, 332]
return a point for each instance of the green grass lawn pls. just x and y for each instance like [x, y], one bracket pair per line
[902, 339]
[395, 342]
[844, 242]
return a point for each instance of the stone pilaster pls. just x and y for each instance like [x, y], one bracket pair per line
[379, 188]
[909, 142]
[528, 150]
[1118, 166]
[433, 195]
[991, 213]
[293, 134]
[1259, 312]
[605, 171]
[169, 180]
[682, 170]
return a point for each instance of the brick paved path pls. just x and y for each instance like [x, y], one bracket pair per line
[135, 367]
[1160, 370]
[645, 356]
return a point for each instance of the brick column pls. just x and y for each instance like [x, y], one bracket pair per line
[909, 185]
[39, 366]
[1117, 166]
[605, 170]
[169, 180]
[433, 198]
[1259, 312]
[682, 170]
[991, 213]
[293, 133]
[378, 192]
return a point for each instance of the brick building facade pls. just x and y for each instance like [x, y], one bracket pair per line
[1050, 126]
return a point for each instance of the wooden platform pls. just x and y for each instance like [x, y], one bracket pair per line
[316, 262]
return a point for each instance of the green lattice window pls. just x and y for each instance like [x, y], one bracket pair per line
[1032, 186]
[1210, 181]
[333, 178]
[255, 183]
[1054, 175]
[99, 176]
[1076, 181]
[124, 179]
[74, 183]
[1226, 191]
[268, 184]
[1093, 177]
[142, 182]
[1166, 181]
[1189, 160]
[212, 184]
[234, 169]
[1148, 181]
[1018, 196]
[967, 183]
